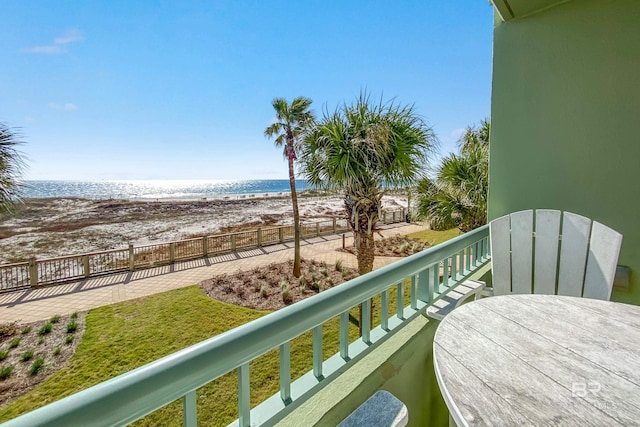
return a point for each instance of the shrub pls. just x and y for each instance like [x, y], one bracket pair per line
[26, 330]
[8, 329]
[57, 350]
[339, 265]
[72, 327]
[40, 340]
[324, 271]
[5, 371]
[315, 286]
[74, 316]
[45, 329]
[37, 365]
[286, 295]
[27, 355]
[263, 291]
[14, 343]
[68, 339]
[3, 355]
[54, 319]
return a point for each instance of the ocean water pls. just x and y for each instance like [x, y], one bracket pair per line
[158, 189]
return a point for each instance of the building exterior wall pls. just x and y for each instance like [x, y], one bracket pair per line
[565, 118]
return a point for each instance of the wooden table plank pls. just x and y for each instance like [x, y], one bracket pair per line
[542, 359]
[569, 369]
[473, 393]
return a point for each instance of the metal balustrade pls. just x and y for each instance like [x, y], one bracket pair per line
[427, 276]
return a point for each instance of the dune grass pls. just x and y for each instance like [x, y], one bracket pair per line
[434, 237]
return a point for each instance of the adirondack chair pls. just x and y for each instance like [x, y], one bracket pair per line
[552, 252]
[578, 259]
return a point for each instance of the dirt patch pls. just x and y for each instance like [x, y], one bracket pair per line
[274, 286]
[24, 346]
[396, 246]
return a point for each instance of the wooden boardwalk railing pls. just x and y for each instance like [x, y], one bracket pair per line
[38, 272]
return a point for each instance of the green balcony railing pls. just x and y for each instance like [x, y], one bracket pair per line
[128, 397]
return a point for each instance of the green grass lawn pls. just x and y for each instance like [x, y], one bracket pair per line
[435, 237]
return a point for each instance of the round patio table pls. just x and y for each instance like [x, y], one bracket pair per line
[540, 360]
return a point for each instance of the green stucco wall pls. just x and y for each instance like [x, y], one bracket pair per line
[565, 118]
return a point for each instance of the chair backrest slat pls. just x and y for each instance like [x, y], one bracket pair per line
[521, 251]
[604, 247]
[568, 254]
[573, 254]
[546, 251]
[500, 236]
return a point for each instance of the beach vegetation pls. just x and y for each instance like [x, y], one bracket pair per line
[26, 330]
[3, 355]
[5, 372]
[37, 365]
[14, 343]
[457, 197]
[57, 351]
[27, 355]
[7, 330]
[72, 326]
[292, 123]
[11, 167]
[45, 329]
[68, 339]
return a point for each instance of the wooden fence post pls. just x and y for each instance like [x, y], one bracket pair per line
[205, 249]
[334, 225]
[172, 252]
[33, 272]
[259, 236]
[384, 217]
[317, 229]
[281, 234]
[85, 265]
[233, 242]
[132, 262]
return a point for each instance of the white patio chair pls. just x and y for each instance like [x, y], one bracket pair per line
[550, 252]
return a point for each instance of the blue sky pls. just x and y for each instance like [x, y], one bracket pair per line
[182, 90]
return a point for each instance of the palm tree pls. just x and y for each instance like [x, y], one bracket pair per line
[458, 195]
[11, 167]
[362, 149]
[292, 122]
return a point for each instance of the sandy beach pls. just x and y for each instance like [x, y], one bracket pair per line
[45, 228]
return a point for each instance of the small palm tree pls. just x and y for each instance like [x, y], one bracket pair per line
[11, 167]
[292, 122]
[458, 195]
[362, 149]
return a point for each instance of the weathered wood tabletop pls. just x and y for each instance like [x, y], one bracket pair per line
[540, 360]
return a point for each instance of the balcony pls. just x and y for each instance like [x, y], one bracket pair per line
[393, 353]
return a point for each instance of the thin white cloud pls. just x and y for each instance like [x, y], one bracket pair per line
[62, 107]
[457, 133]
[46, 50]
[58, 47]
[71, 35]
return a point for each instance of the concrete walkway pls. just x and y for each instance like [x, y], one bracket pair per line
[42, 303]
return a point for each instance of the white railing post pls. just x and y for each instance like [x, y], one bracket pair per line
[85, 266]
[33, 272]
[132, 262]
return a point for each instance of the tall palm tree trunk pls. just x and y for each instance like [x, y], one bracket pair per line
[365, 250]
[296, 215]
